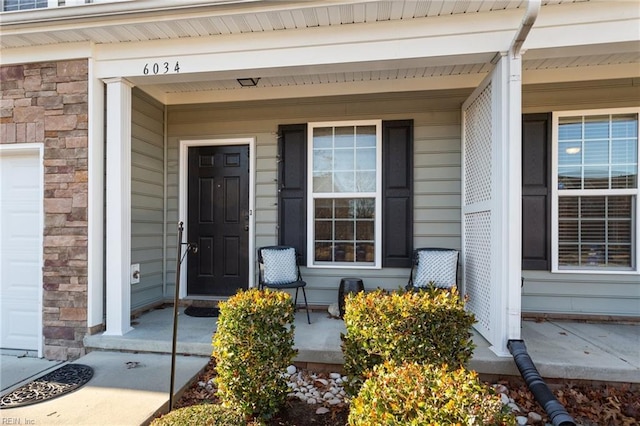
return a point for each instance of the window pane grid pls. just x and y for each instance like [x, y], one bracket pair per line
[344, 159]
[595, 231]
[598, 152]
[344, 230]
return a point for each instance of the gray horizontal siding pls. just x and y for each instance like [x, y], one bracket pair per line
[574, 293]
[436, 117]
[592, 294]
[147, 199]
[437, 184]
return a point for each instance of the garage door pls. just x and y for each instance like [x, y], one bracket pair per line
[20, 249]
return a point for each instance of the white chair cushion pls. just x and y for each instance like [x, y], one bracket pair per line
[437, 267]
[279, 266]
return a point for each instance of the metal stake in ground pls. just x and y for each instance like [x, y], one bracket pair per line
[193, 248]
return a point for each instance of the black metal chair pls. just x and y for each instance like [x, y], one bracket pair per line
[278, 269]
[433, 267]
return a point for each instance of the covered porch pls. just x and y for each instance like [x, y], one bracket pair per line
[465, 102]
[605, 352]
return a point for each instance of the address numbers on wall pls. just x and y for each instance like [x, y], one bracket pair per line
[156, 68]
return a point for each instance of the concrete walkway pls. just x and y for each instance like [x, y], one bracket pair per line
[126, 389]
[119, 394]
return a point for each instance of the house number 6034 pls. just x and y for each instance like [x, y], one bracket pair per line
[156, 68]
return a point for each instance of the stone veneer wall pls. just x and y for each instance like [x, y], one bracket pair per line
[47, 103]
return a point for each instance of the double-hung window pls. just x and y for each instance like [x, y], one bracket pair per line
[345, 194]
[595, 195]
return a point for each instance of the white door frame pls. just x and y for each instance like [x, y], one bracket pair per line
[184, 195]
[34, 148]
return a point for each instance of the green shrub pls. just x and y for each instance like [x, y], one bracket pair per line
[421, 394]
[253, 346]
[428, 327]
[204, 414]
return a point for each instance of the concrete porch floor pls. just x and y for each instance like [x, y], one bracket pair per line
[560, 349]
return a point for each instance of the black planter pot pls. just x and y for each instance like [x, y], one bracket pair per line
[348, 285]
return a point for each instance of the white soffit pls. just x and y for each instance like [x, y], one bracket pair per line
[146, 20]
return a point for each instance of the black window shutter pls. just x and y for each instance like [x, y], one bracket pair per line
[536, 191]
[292, 188]
[397, 193]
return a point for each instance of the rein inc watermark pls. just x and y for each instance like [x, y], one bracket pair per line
[17, 421]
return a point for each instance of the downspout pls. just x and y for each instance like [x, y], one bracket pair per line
[537, 386]
[531, 376]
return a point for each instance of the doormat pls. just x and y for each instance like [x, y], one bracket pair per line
[59, 382]
[201, 311]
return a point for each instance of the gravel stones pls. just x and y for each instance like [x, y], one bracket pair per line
[323, 389]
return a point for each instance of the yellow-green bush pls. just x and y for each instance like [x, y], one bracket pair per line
[422, 394]
[428, 327]
[253, 346]
[203, 415]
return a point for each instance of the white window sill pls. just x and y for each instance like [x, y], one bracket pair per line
[596, 271]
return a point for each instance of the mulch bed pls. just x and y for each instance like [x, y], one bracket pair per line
[590, 404]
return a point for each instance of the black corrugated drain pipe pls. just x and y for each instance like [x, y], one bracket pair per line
[537, 386]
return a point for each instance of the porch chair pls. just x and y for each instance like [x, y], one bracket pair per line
[433, 267]
[278, 269]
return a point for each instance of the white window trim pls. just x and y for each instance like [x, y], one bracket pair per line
[377, 264]
[555, 193]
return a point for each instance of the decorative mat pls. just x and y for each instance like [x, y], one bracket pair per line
[61, 381]
[201, 311]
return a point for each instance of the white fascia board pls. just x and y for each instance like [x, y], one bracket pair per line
[628, 47]
[568, 14]
[583, 34]
[251, 56]
[58, 52]
[600, 72]
[588, 23]
[258, 93]
[303, 56]
[446, 27]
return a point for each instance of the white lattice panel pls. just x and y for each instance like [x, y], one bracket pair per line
[477, 169]
[477, 227]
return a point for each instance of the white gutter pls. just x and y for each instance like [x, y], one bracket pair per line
[530, 16]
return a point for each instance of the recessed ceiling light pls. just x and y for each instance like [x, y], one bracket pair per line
[248, 82]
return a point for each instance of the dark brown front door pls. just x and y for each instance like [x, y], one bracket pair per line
[218, 220]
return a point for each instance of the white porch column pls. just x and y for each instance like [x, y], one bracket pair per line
[507, 242]
[513, 198]
[118, 236]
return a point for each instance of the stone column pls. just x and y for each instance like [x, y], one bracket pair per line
[46, 103]
[118, 259]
